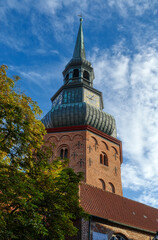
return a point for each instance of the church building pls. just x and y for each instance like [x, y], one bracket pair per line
[87, 136]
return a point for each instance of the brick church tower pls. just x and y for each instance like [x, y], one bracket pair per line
[80, 129]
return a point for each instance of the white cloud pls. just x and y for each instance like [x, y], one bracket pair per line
[45, 77]
[137, 7]
[60, 17]
[131, 95]
[48, 6]
[149, 195]
[110, 68]
[10, 42]
[42, 51]
[132, 177]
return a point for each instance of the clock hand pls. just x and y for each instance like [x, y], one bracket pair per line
[91, 97]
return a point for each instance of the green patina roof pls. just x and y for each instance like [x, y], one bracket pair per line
[70, 106]
[79, 51]
[80, 114]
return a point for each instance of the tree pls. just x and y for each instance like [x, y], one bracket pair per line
[38, 198]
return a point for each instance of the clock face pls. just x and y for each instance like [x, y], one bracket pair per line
[91, 98]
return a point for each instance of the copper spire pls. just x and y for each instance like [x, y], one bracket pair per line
[79, 51]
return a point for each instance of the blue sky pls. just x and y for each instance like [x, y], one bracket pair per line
[37, 40]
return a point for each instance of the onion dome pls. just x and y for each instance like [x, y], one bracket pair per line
[77, 102]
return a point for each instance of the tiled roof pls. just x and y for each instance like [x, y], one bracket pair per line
[119, 209]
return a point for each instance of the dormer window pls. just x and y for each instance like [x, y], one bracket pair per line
[75, 73]
[86, 75]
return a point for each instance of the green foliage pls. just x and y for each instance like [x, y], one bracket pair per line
[38, 199]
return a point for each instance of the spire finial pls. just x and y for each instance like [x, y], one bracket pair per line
[79, 51]
[81, 18]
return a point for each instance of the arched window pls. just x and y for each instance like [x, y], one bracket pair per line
[66, 153]
[86, 75]
[118, 237]
[63, 153]
[112, 187]
[103, 183]
[75, 73]
[104, 159]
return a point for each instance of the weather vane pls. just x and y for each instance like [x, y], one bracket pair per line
[80, 15]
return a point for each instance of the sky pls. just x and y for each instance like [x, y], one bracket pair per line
[37, 40]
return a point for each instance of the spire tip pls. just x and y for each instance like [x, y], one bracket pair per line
[81, 19]
[79, 51]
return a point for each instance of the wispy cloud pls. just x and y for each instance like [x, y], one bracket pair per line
[11, 43]
[137, 7]
[44, 76]
[51, 17]
[131, 95]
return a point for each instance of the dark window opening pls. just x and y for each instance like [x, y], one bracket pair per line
[75, 73]
[86, 75]
[103, 183]
[104, 159]
[64, 153]
[61, 153]
[112, 187]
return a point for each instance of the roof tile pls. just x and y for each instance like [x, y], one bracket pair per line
[116, 208]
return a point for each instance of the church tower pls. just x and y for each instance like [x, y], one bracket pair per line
[80, 129]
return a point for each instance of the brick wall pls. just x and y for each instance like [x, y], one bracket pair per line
[109, 229]
[127, 233]
[75, 143]
[96, 172]
[84, 150]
